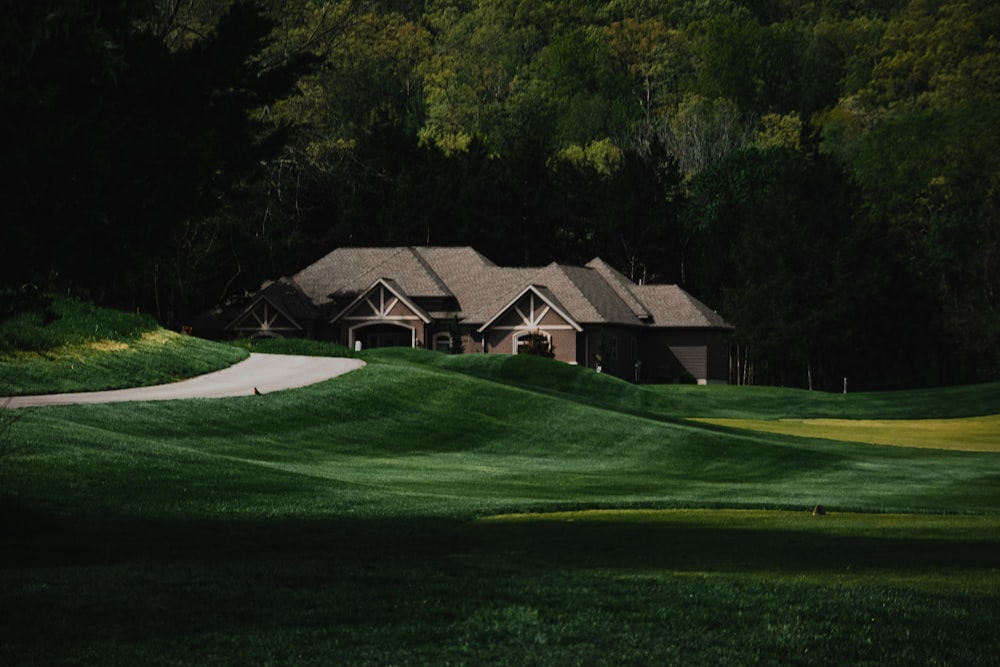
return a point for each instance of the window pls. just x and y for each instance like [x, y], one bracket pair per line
[614, 348]
[442, 342]
[634, 349]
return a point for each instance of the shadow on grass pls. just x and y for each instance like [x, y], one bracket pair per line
[430, 591]
[38, 540]
[683, 547]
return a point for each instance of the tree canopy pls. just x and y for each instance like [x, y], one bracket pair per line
[823, 173]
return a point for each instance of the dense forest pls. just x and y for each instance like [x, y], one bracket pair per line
[825, 173]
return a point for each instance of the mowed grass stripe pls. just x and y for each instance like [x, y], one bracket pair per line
[971, 434]
[337, 523]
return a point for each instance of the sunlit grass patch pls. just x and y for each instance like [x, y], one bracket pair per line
[108, 346]
[81, 347]
[972, 434]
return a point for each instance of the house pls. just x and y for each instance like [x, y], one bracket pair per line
[426, 296]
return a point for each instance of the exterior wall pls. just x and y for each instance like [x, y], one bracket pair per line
[322, 330]
[563, 342]
[687, 354]
[471, 341]
[617, 349]
[718, 357]
[383, 333]
[382, 320]
[664, 355]
[530, 315]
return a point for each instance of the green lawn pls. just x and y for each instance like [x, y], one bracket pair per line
[79, 347]
[971, 434]
[429, 509]
[932, 552]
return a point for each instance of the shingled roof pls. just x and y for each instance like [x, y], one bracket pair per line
[670, 306]
[285, 295]
[586, 294]
[349, 271]
[620, 284]
[593, 294]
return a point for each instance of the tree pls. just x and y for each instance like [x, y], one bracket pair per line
[537, 345]
[455, 333]
[779, 245]
[937, 53]
[657, 57]
[121, 150]
[939, 196]
[702, 132]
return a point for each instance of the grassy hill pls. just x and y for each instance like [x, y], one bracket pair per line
[493, 510]
[75, 346]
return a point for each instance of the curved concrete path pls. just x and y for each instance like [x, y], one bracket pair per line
[263, 372]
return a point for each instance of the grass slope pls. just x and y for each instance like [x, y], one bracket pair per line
[80, 347]
[779, 403]
[347, 522]
[722, 401]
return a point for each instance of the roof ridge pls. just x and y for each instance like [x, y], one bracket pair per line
[414, 250]
[583, 293]
[624, 283]
[379, 264]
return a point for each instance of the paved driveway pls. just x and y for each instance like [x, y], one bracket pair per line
[262, 372]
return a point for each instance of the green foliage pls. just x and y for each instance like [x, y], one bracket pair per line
[120, 152]
[702, 132]
[537, 345]
[789, 248]
[939, 197]
[455, 331]
[28, 300]
[936, 54]
[168, 155]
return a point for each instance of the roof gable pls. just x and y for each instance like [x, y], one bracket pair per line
[482, 294]
[264, 316]
[382, 297]
[536, 314]
[285, 300]
[588, 296]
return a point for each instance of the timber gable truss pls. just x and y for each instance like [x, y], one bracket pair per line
[383, 304]
[262, 318]
[531, 310]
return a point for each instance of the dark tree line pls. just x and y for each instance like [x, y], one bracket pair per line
[825, 174]
[122, 157]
